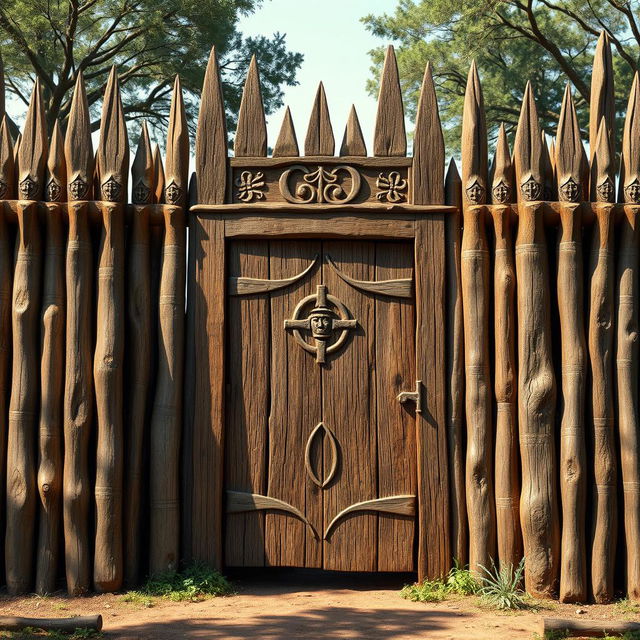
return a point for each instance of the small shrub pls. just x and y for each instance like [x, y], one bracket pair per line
[458, 582]
[462, 582]
[137, 598]
[501, 587]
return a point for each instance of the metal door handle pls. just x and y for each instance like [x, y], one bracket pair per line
[412, 396]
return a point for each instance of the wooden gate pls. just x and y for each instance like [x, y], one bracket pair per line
[321, 342]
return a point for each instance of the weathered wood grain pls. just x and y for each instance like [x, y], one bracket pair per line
[353, 141]
[475, 280]
[536, 378]
[108, 362]
[389, 137]
[584, 628]
[570, 161]
[507, 482]
[319, 140]
[287, 144]
[25, 384]
[602, 99]
[137, 355]
[251, 134]
[601, 287]
[166, 418]
[51, 364]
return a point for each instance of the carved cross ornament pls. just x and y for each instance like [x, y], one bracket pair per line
[328, 322]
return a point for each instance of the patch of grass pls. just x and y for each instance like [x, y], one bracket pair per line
[500, 588]
[138, 598]
[626, 607]
[195, 582]
[29, 633]
[458, 582]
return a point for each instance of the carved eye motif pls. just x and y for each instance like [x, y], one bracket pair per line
[531, 189]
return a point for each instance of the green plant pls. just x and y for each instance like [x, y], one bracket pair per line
[500, 588]
[137, 598]
[459, 581]
[30, 633]
[194, 582]
[627, 608]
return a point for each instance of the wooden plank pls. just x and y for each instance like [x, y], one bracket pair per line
[426, 182]
[319, 140]
[353, 141]
[251, 134]
[166, 416]
[281, 160]
[51, 382]
[396, 428]
[390, 137]
[434, 537]
[475, 280]
[295, 411]
[349, 411]
[570, 161]
[602, 99]
[248, 401]
[204, 508]
[601, 287]
[287, 143]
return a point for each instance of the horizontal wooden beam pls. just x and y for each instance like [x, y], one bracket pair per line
[360, 161]
[267, 209]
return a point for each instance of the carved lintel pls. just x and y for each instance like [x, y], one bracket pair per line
[322, 185]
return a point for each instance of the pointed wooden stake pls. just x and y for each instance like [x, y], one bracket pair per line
[630, 172]
[549, 189]
[56, 177]
[428, 147]
[287, 143]
[353, 141]
[502, 173]
[7, 163]
[602, 102]
[142, 170]
[527, 151]
[251, 134]
[177, 158]
[211, 138]
[390, 138]
[158, 176]
[78, 150]
[32, 153]
[570, 153]
[474, 142]
[603, 171]
[319, 140]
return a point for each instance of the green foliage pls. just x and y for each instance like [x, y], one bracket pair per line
[30, 633]
[627, 608]
[149, 41]
[550, 44]
[193, 583]
[501, 587]
[458, 582]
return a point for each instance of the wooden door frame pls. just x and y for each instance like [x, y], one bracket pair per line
[210, 229]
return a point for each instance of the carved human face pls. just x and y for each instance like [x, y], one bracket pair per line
[531, 190]
[501, 193]
[605, 191]
[475, 192]
[569, 190]
[321, 326]
[632, 192]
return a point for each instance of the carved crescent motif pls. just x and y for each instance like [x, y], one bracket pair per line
[241, 286]
[334, 456]
[320, 185]
[401, 505]
[241, 501]
[399, 288]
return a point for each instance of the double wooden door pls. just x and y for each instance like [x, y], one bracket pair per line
[320, 454]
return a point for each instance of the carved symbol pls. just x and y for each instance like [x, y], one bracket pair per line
[111, 190]
[78, 188]
[53, 191]
[412, 396]
[141, 193]
[173, 193]
[531, 189]
[322, 322]
[321, 185]
[605, 190]
[632, 191]
[3, 189]
[28, 188]
[334, 455]
[391, 187]
[475, 192]
[569, 190]
[243, 286]
[501, 193]
[250, 186]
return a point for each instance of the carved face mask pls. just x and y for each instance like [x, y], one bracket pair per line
[321, 325]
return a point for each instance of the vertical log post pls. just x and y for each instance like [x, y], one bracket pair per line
[570, 171]
[475, 297]
[138, 352]
[627, 343]
[23, 405]
[601, 330]
[51, 364]
[166, 421]
[504, 289]
[536, 378]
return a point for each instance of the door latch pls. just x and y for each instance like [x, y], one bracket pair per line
[412, 396]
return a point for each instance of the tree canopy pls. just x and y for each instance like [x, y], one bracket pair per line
[548, 42]
[149, 41]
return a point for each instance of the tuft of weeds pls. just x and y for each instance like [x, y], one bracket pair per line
[500, 588]
[195, 582]
[138, 598]
[459, 581]
[626, 607]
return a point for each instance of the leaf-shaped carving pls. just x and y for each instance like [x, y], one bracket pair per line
[241, 286]
[334, 455]
[241, 501]
[402, 505]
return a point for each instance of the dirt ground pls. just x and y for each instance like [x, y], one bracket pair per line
[282, 604]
